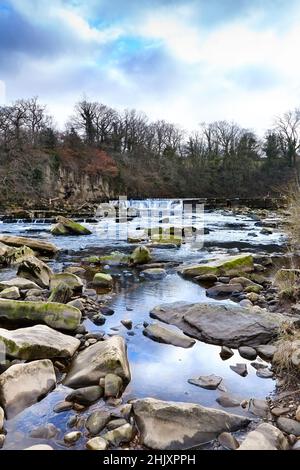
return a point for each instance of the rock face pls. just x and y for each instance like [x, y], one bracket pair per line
[230, 266]
[175, 426]
[265, 437]
[58, 316]
[35, 270]
[69, 227]
[217, 323]
[41, 247]
[74, 282]
[97, 361]
[165, 335]
[38, 342]
[141, 255]
[22, 385]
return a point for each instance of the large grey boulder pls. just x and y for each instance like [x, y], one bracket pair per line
[38, 342]
[162, 334]
[22, 385]
[223, 324]
[98, 360]
[265, 437]
[174, 425]
[19, 283]
[39, 246]
[58, 316]
[35, 270]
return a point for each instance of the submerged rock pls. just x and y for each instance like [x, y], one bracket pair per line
[35, 270]
[22, 385]
[230, 266]
[154, 273]
[38, 342]
[221, 290]
[100, 359]
[165, 335]
[174, 426]
[58, 316]
[44, 432]
[42, 247]
[265, 437]
[223, 324]
[69, 227]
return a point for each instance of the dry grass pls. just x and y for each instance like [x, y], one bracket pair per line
[288, 342]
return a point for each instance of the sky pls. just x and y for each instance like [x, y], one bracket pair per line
[187, 61]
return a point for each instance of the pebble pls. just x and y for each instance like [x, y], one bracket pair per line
[97, 443]
[227, 440]
[97, 421]
[278, 411]
[116, 423]
[240, 369]
[127, 323]
[62, 406]
[226, 353]
[72, 437]
[247, 353]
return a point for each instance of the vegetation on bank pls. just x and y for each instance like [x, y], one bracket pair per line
[138, 157]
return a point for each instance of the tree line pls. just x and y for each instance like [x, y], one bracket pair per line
[142, 158]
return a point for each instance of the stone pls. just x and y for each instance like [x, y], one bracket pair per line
[73, 281]
[265, 373]
[258, 365]
[20, 283]
[266, 351]
[41, 247]
[243, 281]
[223, 324]
[103, 280]
[100, 359]
[127, 323]
[78, 270]
[61, 294]
[35, 270]
[2, 440]
[259, 407]
[253, 297]
[256, 288]
[296, 446]
[246, 303]
[265, 437]
[230, 266]
[40, 447]
[97, 443]
[154, 273]
[165, 335]
[290, 426]
[1, 418]
[63, 406]
[69, 227]
[57, 316]
[86, 396]
[44, 432]
[228, 441]
[141, 255]
[126, 410]
[179, 426]
[226, 353]
[38, 342]
[72, 437]
[10, 293]
[228, 400]
[247, 353]
[107, 311]
[211, 278]
[209, 382]
[120, 435]
[116, 423]
[97, 421]
[22, 385]
[279, 411]
[112, 386]
[222, 290]
[99, 319]
[77, 303]
[297, 415]
[240, 369]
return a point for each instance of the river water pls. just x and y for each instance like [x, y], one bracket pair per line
[158, 370]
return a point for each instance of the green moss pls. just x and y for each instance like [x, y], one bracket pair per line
[234, 266]
[254, 288]
[69, 227]
[141, 255]
[102, 279]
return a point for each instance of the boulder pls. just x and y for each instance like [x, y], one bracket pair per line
[1, 418]
[85, 396]
[38, 342]
[17, 255]
[228, 400]
[265, 437]
[154, 274]
[116, 423]
[228, 441]
[223, 324]
[57, 316]
[178, 426]
[112, 386]
[10, 293]
[41, 247]
[162, 334]
[121, 435]
[243, 281]
[290, 426]
[20, 283]
[222, 290]
[35, 270]
[230, 266]
[141, 255]
[74, 282]
[69, 227]
[97, 361]
[97, 421]
[266, 351]
[22, 385]
[61, 294]
[103, 280]
[97, 443]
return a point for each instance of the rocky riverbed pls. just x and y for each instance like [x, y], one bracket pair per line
[131, 335]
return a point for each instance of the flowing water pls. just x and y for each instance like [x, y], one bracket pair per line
[158, 370]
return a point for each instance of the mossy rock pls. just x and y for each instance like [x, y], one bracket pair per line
[57, 316]
[256, 288]
[69, 227]
[103, 280]
[141, 255]
[114, 258]
[73, 281]
[165, 240]
[231, 266]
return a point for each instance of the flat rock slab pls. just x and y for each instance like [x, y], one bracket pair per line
[223, 324]
[162, 334]
[38, 342]
[209, 382]
[55, 315]
[98, 360]
[42, 247]
[22, 385]
[178, 426]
